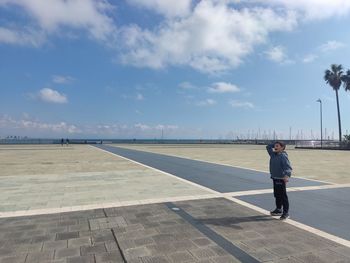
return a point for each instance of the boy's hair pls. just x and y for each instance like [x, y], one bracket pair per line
[282, 144]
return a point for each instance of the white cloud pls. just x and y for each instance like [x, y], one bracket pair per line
[309, 58]
[50, 16]
[29, 126]
[62, 79]
[311, 9]
[138, 130]
[279, 55]
[210, 36]
[139, 96]
[276, 54]
[52, 96]
[223, 87]
[166, 127]
[23, 37]
[206, 102]
[241, 104]
[187, 86]
[331, 46]
[215, 37]
[26, 115]
[170, 8]
[142, 127]
[159, 127]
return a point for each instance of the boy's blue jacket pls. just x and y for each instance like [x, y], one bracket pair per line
[279, 163]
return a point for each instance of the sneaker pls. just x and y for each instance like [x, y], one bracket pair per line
[284, 216]
[276, 212]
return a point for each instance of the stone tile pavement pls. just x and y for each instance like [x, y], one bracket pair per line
[263, 237]
[155, 233]
[76, 189]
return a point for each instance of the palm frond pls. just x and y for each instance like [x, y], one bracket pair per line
[327, 75]
[333, 77]
[336, 68]
[346, 80]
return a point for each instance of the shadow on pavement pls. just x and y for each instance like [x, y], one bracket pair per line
[233, 221]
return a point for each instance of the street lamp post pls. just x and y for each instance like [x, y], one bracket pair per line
[320, 101]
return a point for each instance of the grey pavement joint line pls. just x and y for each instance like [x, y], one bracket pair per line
[215, 237]
[115, 239]
[299, 225]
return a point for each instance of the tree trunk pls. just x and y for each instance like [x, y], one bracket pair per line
[339, 121]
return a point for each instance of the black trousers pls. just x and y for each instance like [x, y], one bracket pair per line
[280, 193]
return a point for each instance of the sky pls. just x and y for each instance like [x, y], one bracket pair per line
[180, 69]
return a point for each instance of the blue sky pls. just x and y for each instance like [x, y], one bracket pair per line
[194, 69]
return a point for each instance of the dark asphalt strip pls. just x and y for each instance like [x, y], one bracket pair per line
[212, 235]
[221, 178]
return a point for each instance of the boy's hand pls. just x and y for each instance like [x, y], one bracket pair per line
[286, 179]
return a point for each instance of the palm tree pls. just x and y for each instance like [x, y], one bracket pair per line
[346, 83]
[346, 80]
[334, 77]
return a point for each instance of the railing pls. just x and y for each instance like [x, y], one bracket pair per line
[138, 141]
[47, 141]
[344, 145]
[306, 144]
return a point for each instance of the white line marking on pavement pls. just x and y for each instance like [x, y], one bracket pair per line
[312, 230]
[158, 200]
[224, 164]
[249, 192]
[46, 211]
[320, 187]
[289, 189]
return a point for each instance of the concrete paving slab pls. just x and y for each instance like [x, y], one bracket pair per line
[77, 189]
[217, 177]
[45, 160]
[327, 209]
[26, 183]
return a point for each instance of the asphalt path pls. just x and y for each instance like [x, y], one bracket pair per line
[221, 178]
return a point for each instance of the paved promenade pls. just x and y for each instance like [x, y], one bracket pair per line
[325, 209]
[115, 205]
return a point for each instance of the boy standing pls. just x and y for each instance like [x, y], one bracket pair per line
[280, 170]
